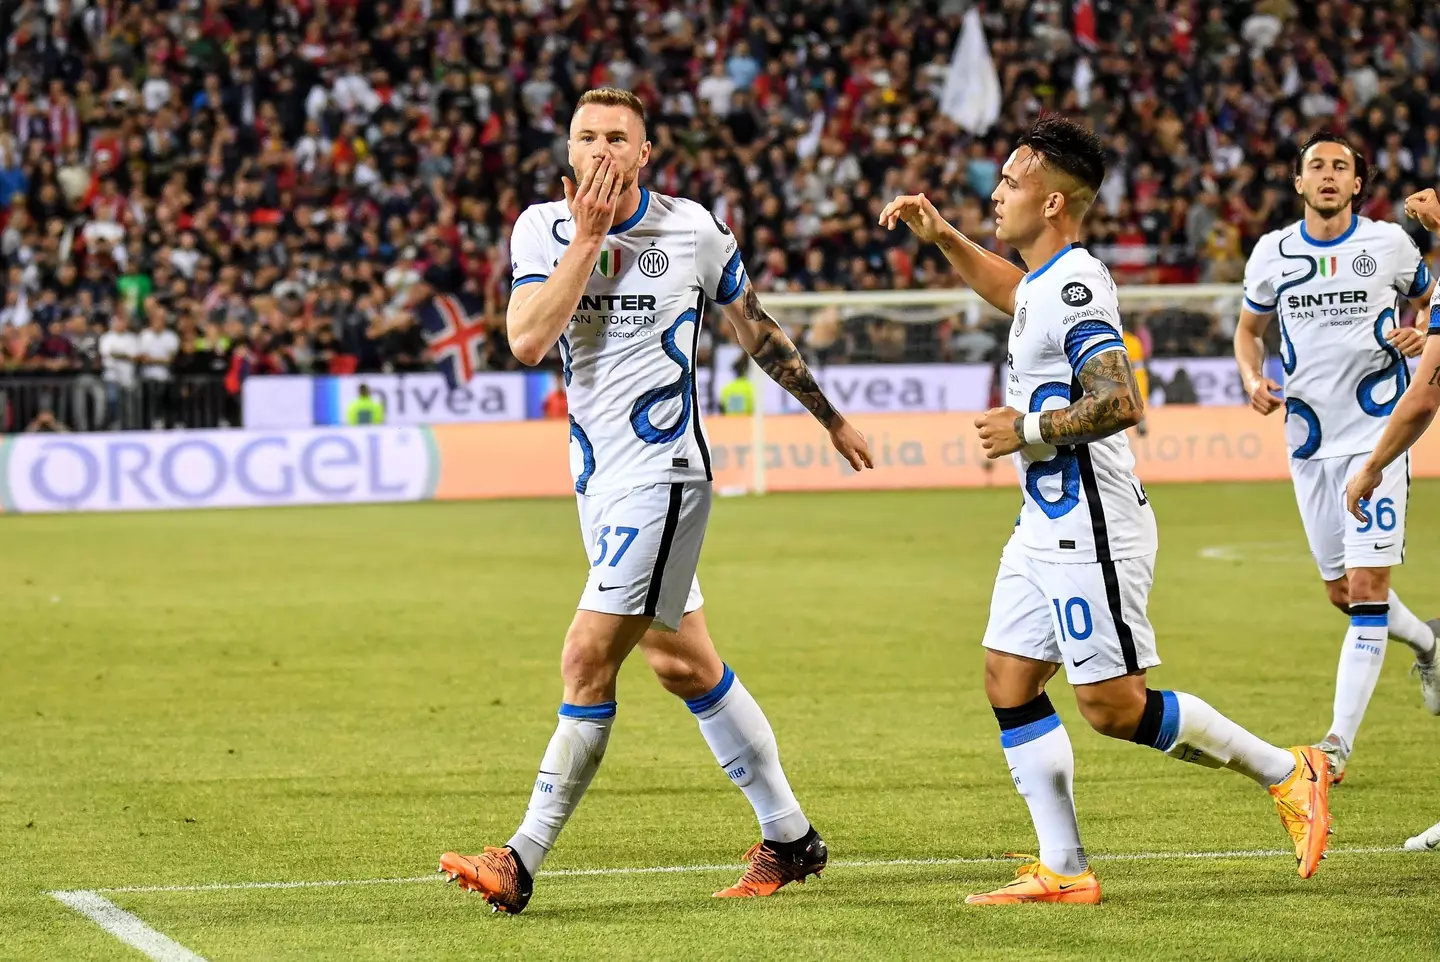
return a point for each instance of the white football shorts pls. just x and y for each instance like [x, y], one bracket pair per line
[1090, 617]
[1337, 540]
[644, 545]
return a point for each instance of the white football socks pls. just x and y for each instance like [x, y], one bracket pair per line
[571, 761]
[739, 734]
[1194, 732]
[1405, 627]
[1359, 670]
[1042, 766]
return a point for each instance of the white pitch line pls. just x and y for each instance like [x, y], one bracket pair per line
[126, 927]
[671, 869]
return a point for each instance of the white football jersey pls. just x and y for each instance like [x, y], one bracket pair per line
[1083, 502]
[629, 352]
[1336, 300]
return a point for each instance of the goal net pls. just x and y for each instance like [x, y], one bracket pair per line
[939, 351]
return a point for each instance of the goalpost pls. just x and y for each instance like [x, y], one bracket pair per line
[836, 316]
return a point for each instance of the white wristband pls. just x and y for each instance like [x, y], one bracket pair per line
[1030, 429]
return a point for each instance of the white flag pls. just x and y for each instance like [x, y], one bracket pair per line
[1081, 80]
[972, 86]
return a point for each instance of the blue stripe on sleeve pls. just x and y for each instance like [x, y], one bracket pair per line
[1258, 308]
[1422, 281]
[1078, 338]
[1098, 348]
[731, 279]
[739, 289]
[528, 279]
[1369, 621]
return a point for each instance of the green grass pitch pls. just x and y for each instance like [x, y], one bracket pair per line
[345, 693]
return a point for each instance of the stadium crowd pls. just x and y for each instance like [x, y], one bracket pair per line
[221, 188]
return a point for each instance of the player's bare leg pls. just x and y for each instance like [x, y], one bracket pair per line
[595, 647]
[687, 665]
[1185, 727]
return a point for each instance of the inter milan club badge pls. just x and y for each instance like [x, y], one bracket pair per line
[653, 262]
[1020, 322]
[1364, 265]
[609, 263]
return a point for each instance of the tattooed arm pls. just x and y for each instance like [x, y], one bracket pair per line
[777, 356]
[764, 340]
[1411, 417]
[1111, 404]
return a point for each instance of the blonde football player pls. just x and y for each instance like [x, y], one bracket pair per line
[619, 277]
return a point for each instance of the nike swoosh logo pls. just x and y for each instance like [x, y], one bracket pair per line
[1082, 661]
[1309, 768]
[1372, 640]
[1069, 885]
[1382, 547]
[543, 772]
[612, 587]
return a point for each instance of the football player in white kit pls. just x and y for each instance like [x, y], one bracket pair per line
[1335, 279]
[1410, 419]
[618, 276]
[1076, 574]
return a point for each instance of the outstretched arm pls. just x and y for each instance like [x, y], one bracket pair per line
[1111, 403]
[990, 275]
[1409, 420]
[763, 339]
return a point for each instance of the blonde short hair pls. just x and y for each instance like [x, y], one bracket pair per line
[613, 97]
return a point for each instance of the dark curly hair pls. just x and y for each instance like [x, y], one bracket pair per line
[1069, 147]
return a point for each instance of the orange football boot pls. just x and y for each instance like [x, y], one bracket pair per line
[1303, 803]
[772, 867]
[497, 874]
[1036, 883]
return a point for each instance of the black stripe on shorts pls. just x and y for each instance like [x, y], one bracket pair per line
[1102, 555]
[662, 555]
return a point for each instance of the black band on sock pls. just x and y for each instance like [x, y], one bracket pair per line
[1032, 711]
[1370, 608]
[1148, 731]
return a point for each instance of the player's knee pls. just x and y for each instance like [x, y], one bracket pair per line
[1339, 593]
[1369, 584]
[1005, 685]
[681, 677]
[1113, 713]
[587, 668]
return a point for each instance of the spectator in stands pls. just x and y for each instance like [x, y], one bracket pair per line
[231, 154]
[119, 348]
[156, 349]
